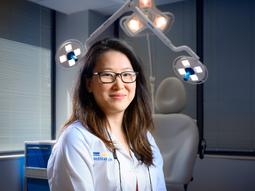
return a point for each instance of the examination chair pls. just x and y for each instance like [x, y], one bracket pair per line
[176, 134]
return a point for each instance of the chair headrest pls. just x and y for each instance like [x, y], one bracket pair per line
[170, 96]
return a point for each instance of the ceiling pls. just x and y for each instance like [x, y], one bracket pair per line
[106, 7]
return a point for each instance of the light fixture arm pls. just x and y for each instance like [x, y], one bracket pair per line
[130, 6]
[124, 8]
[162, 36]
[189, 69]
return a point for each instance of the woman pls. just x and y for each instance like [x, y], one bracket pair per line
[106, 144]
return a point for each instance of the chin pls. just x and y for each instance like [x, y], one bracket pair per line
[117, 109]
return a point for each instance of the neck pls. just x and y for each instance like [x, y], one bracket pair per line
[115, 127]
[115, 122]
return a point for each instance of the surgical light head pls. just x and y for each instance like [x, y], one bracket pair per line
[69, 53]
[145, 18]
[190, 70]
[133, 25]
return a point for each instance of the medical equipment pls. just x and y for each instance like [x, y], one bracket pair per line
[69, 53]
[145, 17]
[133, 25]
[179, 149]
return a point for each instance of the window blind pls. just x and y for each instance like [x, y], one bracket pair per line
[25, 74]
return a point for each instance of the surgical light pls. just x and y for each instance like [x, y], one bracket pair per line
[69, 53]
[145, 4]
[190, 70]
[160, 20]
[135, 25]
[145, 18]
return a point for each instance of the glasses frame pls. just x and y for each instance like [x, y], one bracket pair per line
[115, 74]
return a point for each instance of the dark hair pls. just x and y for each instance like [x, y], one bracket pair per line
[137, 119]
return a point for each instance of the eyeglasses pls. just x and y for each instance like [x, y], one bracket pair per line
[110, 77]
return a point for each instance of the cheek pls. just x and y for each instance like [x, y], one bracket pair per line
[99, 91]
[132, 90]
[95, 87]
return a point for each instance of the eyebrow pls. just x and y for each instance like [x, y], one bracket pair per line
[123, 69]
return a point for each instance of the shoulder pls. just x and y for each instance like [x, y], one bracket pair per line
[76, 128]
[157, 157]
[76, 135]
[156, 169]
[71, 159]
[75, 142]
[151, 139]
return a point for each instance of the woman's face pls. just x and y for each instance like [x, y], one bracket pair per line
[113, 97]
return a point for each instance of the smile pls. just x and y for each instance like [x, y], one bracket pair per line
[118, 96]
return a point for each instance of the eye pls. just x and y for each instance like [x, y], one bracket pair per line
[127, 74]
[107, 74]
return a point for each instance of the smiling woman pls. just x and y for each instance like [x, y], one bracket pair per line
[112, 94]
[106, 144]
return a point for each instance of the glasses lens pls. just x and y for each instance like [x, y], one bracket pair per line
[107, 77]
[128, 77]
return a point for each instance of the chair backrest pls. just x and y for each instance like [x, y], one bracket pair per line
[176, 134]
[170, 96]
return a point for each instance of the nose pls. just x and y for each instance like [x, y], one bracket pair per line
[118, 82]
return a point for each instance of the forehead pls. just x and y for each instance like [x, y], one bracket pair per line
[113, 59]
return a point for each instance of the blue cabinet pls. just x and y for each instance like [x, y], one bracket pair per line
[37, 154]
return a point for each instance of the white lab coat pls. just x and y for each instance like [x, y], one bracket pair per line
[80, 161]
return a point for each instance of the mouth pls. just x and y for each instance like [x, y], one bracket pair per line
[117, 96]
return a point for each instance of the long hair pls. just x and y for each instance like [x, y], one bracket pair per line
[137, 119]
